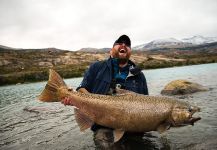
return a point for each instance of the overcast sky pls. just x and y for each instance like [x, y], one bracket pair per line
[75, 24]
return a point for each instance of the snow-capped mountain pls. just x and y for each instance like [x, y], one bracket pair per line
[174, 43]
[162, 43]
[6, 47]
[196, 40]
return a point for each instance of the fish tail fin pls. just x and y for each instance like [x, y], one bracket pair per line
[50, 92]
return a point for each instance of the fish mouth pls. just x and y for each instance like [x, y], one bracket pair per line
[192, 119]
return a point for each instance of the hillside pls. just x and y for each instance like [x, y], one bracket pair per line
[31, 65]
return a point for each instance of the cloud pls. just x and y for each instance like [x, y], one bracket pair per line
[75, 24]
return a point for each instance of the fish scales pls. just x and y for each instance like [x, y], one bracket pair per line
[131, 112]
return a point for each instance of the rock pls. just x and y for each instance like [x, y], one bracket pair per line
[5, 62]
[181, 87]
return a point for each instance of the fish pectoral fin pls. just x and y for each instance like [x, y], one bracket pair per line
[163, 127]
[84, 122]
[117, 134]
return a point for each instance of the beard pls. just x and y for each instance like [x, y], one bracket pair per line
[122, 54]
[122, 58]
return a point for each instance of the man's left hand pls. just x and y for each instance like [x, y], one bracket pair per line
[67, 101]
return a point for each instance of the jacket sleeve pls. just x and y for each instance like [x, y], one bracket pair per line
[145, 87]
[89, 78]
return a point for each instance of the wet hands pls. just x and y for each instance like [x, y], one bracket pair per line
[66, 101]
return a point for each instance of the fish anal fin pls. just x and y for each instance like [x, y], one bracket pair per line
[117, 134]
[163, 127]
[84, 122]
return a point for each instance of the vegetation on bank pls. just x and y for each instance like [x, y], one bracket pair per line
[33, 65]
[68, 71]
[154, 64]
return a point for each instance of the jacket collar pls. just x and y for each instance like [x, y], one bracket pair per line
[134, 70]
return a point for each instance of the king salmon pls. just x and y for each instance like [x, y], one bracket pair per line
[129, 111]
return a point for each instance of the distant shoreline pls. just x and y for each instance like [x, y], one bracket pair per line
[32, 65]
[23, 78]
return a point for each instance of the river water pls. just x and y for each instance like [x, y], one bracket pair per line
[27, 123]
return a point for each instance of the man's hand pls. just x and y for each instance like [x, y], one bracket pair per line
[67, 101]
[83, 90]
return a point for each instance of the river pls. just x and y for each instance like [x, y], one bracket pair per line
[27, 123]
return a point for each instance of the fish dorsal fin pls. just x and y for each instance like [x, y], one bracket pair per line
[120, 91]
[163, 127]
[84, 122]
[117, 134]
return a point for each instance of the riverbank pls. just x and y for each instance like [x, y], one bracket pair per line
[24, 66]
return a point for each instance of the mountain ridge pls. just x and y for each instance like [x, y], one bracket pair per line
[31, 65]
[174, 43]
[152, 45]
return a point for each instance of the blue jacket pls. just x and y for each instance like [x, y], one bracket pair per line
[98, 79]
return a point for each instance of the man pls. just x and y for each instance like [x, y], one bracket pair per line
[118, 71]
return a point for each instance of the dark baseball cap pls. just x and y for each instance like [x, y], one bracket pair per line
[123, 39]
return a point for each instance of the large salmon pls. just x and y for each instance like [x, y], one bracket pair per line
[124, 112]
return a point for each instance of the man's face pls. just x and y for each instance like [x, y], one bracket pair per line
[121, 51]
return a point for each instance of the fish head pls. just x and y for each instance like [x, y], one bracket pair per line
[182, 114]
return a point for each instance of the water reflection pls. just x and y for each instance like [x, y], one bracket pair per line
[103, 139]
